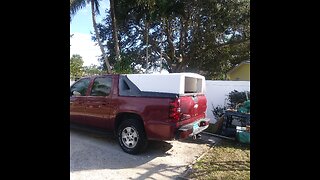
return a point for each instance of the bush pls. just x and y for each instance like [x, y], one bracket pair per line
[218, 111]
[235, 97]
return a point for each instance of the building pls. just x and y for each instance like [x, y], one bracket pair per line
[241, 72]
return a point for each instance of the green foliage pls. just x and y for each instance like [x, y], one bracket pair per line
[123, 66]
[218, 111]
[235, 97]
[207, 37]
[76, 63]
[92, 70]
[76, 5]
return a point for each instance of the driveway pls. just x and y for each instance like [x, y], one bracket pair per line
[94, 156]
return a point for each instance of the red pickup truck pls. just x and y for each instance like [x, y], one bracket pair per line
[114, 103]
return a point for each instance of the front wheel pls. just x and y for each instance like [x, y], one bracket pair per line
[131, 136]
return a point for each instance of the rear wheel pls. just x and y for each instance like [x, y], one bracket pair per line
[131, 136]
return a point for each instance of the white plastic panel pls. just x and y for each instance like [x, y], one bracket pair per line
[178, 83]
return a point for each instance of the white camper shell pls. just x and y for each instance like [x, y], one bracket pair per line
[177, 83]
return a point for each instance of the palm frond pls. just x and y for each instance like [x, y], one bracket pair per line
[76, 5]
[97, 5]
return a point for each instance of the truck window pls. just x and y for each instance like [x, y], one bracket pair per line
[101, 86]
[192, 85]
[80, 86]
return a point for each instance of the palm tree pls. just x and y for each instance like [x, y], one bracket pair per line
[76, 5]
[115, 30]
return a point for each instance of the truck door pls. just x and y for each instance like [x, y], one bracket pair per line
[77, 99]
[98, 106]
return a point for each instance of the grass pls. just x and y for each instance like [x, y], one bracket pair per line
[227, 160]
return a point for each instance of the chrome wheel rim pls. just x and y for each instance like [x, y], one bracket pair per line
[129, 137]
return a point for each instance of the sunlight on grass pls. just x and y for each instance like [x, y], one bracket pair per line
[227, 160]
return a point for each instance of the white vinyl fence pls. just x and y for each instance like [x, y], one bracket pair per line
[217, 92]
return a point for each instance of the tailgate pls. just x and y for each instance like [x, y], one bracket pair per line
[193, 107]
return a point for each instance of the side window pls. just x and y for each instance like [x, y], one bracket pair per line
[81, 86]
[101, 86]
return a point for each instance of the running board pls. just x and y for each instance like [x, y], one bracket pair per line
[91, 129]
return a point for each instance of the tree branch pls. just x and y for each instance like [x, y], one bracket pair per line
[231, 43]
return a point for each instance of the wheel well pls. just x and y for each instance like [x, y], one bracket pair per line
[123, 116]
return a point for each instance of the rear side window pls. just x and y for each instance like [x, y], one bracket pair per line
[101, 86]
[193, 85]
[81, 86]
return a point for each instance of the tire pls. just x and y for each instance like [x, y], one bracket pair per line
[131, 136]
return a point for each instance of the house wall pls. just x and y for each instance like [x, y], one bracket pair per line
[217, 92]
[242, 73]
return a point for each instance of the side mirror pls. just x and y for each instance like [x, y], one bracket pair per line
[76, 93]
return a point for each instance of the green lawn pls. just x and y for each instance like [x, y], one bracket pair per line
[226, 160]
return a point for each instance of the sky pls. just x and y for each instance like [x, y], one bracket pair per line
[81, 26]
[81, 43]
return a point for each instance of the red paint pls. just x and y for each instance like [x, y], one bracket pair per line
[101, 111]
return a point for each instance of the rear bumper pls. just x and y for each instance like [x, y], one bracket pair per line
[188, 130]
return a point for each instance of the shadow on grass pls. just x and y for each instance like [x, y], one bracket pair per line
[233, 144]
[226, 166]
[228, 159]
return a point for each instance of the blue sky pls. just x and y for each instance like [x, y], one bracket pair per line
[81, 26]
[81, 43]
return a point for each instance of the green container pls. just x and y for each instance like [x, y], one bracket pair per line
[243, 136]
[245, 107]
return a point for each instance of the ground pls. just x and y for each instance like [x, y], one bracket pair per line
[94, 156]
[225, 160]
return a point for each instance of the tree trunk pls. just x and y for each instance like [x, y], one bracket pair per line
[160, 61]
[104, 56]
[183, 41]
[114, 30]
[147, 43]
[168, 32]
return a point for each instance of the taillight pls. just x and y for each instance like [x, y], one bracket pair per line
[175, 110]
